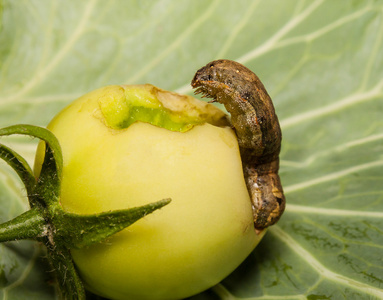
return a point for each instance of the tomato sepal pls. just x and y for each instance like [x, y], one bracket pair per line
[79, 231]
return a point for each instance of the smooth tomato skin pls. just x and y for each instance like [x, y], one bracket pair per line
[178, 251]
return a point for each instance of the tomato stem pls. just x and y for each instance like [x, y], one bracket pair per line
[42, 134]
[20, 165]
[69, 284]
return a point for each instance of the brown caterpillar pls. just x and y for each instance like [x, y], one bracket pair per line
[259, 135]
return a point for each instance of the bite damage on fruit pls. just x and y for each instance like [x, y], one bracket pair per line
[102, 168]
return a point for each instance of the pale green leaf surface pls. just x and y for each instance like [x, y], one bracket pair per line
[321, 62]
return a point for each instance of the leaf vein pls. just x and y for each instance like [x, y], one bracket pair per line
[177, 42]
[333, 176]
[372, 57]
[321, 269]
[340, 148]
[324, 30]
[358, 97]
[234, 33]
[271, 42]
[332, 211]
[77, 33]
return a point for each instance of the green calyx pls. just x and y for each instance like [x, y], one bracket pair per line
[48, 223]
[121, 106]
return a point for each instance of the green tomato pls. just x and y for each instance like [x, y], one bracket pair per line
[126, 146]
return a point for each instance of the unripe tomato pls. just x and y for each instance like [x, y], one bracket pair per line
[115, 158]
